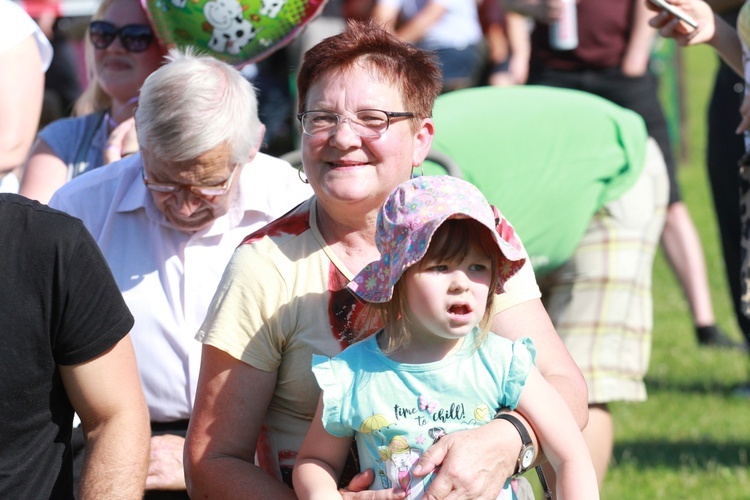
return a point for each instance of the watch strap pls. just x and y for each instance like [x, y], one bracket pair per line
[525, 437]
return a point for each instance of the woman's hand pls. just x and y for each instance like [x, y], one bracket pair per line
[671, 27]
[122, 141]
[473, 463]
[711, 30]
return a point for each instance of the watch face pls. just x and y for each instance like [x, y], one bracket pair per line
[527, 458]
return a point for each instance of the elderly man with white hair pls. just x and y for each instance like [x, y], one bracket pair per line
[168, 219]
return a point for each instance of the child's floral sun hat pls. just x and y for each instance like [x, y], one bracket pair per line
[411, 215]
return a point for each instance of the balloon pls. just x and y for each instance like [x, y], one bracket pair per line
[236, 31]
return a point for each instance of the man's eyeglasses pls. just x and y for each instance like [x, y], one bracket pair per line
[202, 191]
[365, 123]
[133, 37]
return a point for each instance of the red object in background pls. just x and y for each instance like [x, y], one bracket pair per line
[39, 8]
[60, 8]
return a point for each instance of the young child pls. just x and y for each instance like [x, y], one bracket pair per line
[433, 369]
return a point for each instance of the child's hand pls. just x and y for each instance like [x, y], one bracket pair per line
[358, 489]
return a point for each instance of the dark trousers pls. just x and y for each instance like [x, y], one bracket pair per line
[639, 94]
[724, 149]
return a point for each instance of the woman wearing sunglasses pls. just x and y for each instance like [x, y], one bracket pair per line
[122, 51]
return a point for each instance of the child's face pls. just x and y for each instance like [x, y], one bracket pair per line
[447, 299]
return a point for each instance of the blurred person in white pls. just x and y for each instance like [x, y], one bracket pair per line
[169, 217]
[449, 28]
[25, 54]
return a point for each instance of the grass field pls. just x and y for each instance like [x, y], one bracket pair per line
[691, 439]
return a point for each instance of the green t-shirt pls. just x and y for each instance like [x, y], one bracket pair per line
[547, 158]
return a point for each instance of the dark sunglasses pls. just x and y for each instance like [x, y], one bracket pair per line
[133, 37]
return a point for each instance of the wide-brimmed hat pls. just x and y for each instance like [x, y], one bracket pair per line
[411, 215]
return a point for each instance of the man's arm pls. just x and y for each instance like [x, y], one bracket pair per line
[496, 442]
[415, 28]
[230, 406]
[106, 393]
[511, 42]
[638, 51]
[385, 16]
[519, 39]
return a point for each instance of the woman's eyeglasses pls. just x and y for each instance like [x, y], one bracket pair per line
[133, 37]
[365, 123]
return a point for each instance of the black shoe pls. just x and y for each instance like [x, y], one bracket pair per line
[712, 336]
[742, 391]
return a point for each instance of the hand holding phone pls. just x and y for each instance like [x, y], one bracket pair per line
[676, 12]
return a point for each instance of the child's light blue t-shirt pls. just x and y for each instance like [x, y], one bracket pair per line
[396, 411]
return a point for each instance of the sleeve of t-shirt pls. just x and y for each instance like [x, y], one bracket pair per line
[335, 380]
[92, 313]
[63, 137]
[16, 25]
[250, 311]
[521, 287]
[520, 356]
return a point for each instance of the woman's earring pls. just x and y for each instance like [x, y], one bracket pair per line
[421, 170]
[299, 174]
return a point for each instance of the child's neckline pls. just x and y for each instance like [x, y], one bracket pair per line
[399, 358]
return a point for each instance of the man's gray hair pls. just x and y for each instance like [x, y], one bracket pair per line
[195, 103]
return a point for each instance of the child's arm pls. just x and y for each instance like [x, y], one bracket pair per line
[320, 461]
[559, 437]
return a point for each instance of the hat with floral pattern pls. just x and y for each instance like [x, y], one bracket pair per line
[411, 215]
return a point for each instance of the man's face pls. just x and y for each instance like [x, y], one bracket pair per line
[202, 188]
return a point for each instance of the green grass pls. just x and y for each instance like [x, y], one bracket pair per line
[691, 439]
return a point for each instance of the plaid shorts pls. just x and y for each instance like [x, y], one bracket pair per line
[600, 300]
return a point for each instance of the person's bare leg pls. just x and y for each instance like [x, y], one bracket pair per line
[683, 249]
[684, 252]
[600, 437]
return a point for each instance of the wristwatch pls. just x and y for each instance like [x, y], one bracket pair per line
[528, 452]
